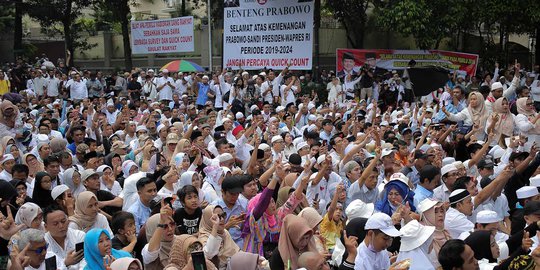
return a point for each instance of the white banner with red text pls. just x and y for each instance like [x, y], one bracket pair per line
[261, 34]
[162, 36]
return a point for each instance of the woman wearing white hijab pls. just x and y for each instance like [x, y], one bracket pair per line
[416, 246]
[129, 193]
[475, 114]
[72, 179]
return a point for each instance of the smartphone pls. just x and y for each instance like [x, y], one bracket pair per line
[79, 246]
[50, 263]
[316, 197]
[199, 262]
[169, 201]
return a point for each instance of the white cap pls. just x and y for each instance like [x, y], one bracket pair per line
[141, 128]
[245, 73]
[526, 192]
[165, 71]
[414, 234]
[310, 106]
[151, 70]
[272, 119]
[264, 146]
[496, 85]
[225, 157]
[204, 77]
[358, 208]
[425, 205]
[7, 157]
[448, 168]
[384, 124]
[280, 109]
[386, 152]
[487, 216]
[58, 190]
[429, 109]
[301, 145]
[399, 177]
[276, 138]
[161, 126]
[312, 117]
[535, 180]
[448, 160]
[383, 222]
[253, 107]
[239, 115]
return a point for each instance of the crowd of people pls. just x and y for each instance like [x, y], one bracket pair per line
[256, 170]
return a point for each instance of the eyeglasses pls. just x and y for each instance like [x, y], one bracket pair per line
[40, 250]
[222, 215]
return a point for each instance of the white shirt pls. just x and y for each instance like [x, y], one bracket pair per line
[115, 190]
[166, 92]
[72, 238]
[322, 188]
[4, 175]
[456, 223]
[78, 90]
[287, 96]
[369, 260]
[52, 86]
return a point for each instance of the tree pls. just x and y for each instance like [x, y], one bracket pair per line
[120, 12]
[427, 21]
[352, 14]
[50, 13]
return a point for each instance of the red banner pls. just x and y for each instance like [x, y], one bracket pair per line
[350, 61]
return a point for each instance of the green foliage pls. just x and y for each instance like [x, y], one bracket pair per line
[427, 21]
[352, 13]
[7, 16]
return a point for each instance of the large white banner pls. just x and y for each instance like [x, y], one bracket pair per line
[268, 33]
[162, 36]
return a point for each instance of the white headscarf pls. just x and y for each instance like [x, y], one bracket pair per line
[27, 213]
[68, 180]
[129, 193]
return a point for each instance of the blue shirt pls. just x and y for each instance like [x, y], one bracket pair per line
[72, 147]
[236, 210]
[420, 194]
[202, 97]
[141, 213]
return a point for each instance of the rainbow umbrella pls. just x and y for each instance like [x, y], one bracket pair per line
[182, 66]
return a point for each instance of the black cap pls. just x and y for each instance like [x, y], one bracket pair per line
[91, 154]
[232, 184]
[260, 153]
[219, 128]
[219, 135]
[531, 207]
[295, 159]
[195, 134]
[485, 163]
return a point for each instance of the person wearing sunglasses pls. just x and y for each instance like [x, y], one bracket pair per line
[36, 248]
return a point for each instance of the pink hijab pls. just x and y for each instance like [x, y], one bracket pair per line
[270, 219]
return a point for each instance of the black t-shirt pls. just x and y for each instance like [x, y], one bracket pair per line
[186, 223]
[117, 244]
[104, 196]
